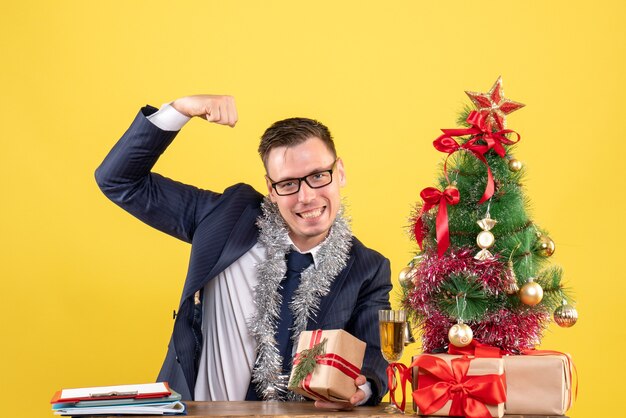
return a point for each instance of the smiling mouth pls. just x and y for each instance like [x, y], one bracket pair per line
[313, 213]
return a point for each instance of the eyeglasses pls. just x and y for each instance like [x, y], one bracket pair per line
[315, 181]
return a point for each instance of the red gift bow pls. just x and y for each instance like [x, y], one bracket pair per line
[480, 129]
[478, 349]
[469, 394]
[433, 197]
[392, 383]
[332, 360]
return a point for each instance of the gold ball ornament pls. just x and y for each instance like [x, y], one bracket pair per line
[515, 165]
[545, 246]
[406, 275]
[565, 315]
[460, 335]
[531, 293]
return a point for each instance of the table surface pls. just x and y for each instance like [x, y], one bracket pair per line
[287, 409]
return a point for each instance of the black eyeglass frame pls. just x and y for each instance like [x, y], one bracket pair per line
[301, 179]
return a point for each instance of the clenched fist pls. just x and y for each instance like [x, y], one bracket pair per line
[216, 109]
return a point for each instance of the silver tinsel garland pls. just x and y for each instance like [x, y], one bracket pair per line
[315, 282]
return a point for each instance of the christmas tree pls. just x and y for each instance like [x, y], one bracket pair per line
[482, 271]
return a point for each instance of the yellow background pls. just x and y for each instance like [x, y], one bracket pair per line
[88, 291]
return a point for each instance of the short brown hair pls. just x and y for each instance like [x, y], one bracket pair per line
[294, 131]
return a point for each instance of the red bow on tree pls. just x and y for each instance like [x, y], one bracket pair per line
[433, 197]
[469, 394]
[480, 130]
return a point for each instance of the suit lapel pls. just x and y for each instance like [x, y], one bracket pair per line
[329, 300]
[242, 237]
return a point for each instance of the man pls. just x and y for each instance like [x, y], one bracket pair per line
[262, 269]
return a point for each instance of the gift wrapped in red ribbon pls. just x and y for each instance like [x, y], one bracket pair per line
[449, 385]
[336, 368]
[539, 382]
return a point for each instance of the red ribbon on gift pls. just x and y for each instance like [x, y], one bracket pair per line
[469, 394]
[339, 363]
[433, 197]
[332, 360]
[477, 349]
[480, 130]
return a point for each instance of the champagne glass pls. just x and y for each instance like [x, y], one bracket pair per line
[392, 325]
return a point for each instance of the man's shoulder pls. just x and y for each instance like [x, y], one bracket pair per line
[234, 200]
[367, 264]
[360, 250]
[241, 195]
[245, 192]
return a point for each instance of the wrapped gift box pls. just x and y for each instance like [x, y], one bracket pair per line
[335, 371]
[538, 384]
[477, 367]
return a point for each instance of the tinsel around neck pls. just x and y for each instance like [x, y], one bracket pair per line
[315, 283]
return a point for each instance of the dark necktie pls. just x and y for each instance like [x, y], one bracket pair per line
[296, 264]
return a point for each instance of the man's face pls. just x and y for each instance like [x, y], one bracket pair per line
[309, 213]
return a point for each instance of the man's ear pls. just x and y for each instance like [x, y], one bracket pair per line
[341, 172]
[270, 189]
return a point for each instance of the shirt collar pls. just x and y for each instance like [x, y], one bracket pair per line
[313, 251]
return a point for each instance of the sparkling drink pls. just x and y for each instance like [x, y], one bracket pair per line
[392, 339]
[391, 325]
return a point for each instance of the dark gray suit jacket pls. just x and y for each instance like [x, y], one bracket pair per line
[221, 228]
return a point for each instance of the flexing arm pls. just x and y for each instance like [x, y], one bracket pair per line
[125, 175]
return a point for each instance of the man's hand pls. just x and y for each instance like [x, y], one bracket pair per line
[216, 109]
[359, 396]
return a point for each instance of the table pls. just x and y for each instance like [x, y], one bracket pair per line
[288, 409]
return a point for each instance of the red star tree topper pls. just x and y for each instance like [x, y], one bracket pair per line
[494, 105]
